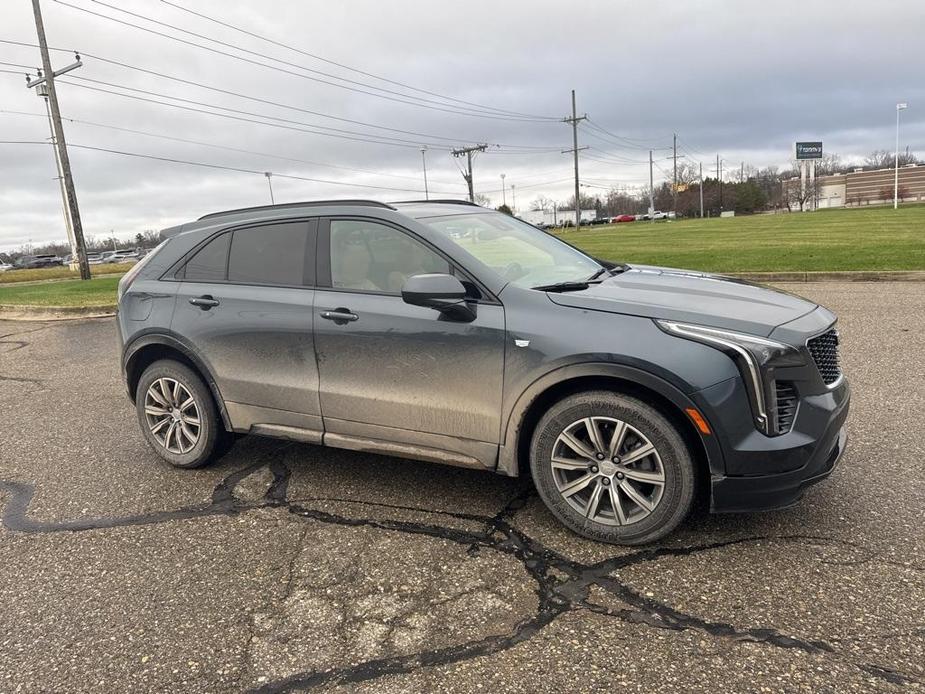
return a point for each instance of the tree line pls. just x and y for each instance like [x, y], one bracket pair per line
[750, 189]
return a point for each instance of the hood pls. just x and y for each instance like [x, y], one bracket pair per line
[690, 297]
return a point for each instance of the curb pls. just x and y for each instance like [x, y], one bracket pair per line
[26, 312]
[847, 276]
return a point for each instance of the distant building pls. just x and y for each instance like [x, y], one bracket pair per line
[860, 188]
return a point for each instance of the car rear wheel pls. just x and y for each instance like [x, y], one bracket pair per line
[612, 468]
[177, 415]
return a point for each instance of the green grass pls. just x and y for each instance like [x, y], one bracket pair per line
[827, 240]
[96, 292]
[57, 273]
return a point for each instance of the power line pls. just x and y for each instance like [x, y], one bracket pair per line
[307, 127]
[218, 146]
[387, 95]
[525, 148]
[414, 142]
[200, 85]
[342, 65]
[628, 140]
[222, 167]
[269, 102]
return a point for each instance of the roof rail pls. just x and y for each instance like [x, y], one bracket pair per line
[291, 205]
[439, 202]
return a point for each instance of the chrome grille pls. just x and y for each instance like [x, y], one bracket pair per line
[786, 406]
[824, 349]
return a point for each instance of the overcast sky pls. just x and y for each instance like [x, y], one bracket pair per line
[744, 79]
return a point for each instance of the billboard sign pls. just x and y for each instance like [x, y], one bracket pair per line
[809, 150]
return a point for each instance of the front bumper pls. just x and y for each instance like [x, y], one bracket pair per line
[769, 492]
[774, 487]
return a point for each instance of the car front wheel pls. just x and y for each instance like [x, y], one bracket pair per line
[177, 415]
[612, 468]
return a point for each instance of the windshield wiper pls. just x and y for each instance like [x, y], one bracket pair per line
[562, 287]
[611, 269]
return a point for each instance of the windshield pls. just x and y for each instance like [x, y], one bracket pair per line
[520, 253]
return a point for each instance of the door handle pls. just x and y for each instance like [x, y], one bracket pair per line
[204, 302]
[340, 315]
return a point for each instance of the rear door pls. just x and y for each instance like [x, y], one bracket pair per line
[245, 305]
[392, 372]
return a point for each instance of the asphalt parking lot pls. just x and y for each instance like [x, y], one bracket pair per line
[288, 566]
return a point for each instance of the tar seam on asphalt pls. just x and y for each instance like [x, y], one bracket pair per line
[561, 584]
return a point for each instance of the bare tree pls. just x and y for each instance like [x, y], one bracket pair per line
[883, 159]
[796, 194]
[541, 203]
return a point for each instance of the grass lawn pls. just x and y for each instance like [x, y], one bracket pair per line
[96, 292]
[866, 239]
[60, 272]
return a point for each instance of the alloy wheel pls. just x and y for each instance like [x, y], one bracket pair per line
[608, 471]
[172, 415]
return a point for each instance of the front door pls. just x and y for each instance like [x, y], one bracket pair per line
[392, 372]
[245, 304]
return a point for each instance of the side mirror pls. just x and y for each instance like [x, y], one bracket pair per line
[444, 293]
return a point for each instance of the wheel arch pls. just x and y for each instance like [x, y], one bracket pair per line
[513, 458]
[150, 348]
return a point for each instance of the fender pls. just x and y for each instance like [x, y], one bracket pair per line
[507, 452]
[187, 350]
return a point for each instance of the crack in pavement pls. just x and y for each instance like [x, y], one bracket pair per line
[561, 584]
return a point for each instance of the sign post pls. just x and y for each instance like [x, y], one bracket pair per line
[808, 151]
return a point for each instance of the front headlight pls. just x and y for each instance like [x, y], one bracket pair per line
[755, 356]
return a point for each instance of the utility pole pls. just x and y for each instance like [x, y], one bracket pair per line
[48, 78]
[742, 172]
[503, 193]
[574, 120]
[674, 147]
[467, 175]
[513, 200]
[42, 91]
[424, 163]
[651, 190]
[269, 175]
[701, 190]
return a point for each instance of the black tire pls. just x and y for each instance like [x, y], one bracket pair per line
[212, 440]
[672, 461]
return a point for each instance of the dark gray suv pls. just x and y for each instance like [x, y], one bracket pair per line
[446, 332]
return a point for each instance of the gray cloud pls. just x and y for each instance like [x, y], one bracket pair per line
[738, 78]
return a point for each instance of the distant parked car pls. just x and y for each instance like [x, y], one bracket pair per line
[112, 257]
[31, 262]
[623, 218]
[599, 220]
[5, 266]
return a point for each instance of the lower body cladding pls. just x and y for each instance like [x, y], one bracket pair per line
[771, 472]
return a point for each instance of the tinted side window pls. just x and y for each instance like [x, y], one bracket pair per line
[210, 262]
[377, 258]
[272, 254]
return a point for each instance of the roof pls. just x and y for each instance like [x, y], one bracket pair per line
[417, 209]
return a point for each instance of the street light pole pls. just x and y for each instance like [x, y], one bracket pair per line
[424, 163]
[899, 107]
[269, 175]
[503, 193]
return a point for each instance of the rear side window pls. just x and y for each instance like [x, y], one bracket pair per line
[273, 254]
[210, 262]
